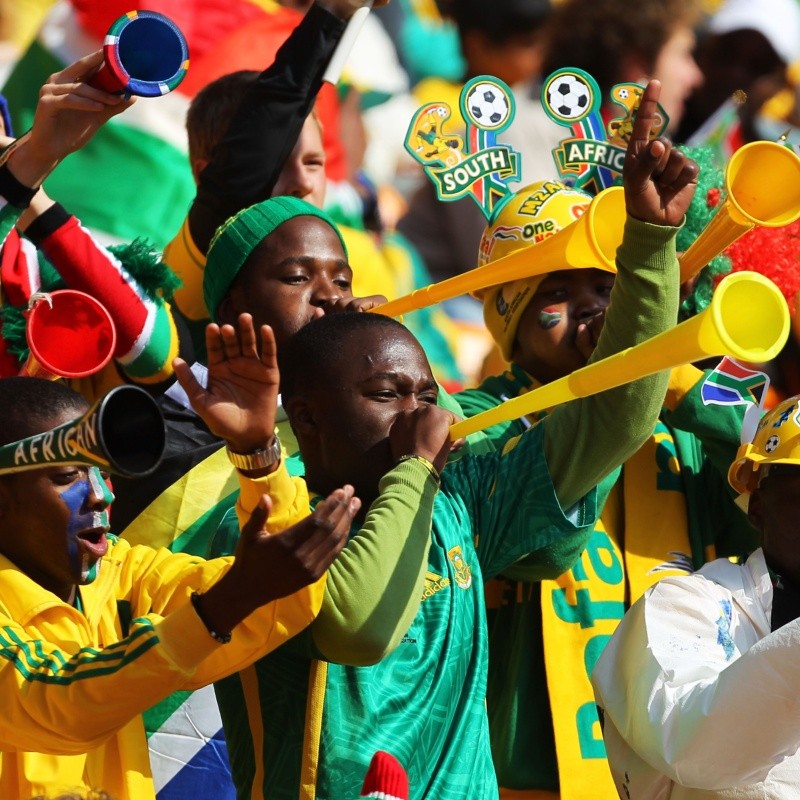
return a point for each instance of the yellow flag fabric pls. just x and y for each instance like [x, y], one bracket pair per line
[581, 609]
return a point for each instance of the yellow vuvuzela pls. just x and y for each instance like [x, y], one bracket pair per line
[591, 241]
[748, 319]
[762, 181]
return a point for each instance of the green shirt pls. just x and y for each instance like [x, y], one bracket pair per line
[424, 702]
[705, 442]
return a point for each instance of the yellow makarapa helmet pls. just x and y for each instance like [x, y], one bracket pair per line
[776, 441]
[533, 214]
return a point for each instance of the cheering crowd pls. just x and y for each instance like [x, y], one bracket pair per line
[595, 597]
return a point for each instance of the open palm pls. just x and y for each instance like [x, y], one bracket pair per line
[239, 403]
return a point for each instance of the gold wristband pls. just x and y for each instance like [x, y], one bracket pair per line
[413, 456]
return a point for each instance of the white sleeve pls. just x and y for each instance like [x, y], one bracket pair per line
[683, 680]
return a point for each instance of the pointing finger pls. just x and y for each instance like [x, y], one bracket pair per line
[645, 119]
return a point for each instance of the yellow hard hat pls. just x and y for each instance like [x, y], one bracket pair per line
[533, 214]
[776, 441]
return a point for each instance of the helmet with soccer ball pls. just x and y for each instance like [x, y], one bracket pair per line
[776, 441]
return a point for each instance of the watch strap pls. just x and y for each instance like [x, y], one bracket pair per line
[258, 459]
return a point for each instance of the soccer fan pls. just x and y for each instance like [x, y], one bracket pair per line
[669, 509]
[347, 382]
[695, 687]
[383, 261]
[130, 280]
[46, 604]
[94, 631]
[242, 131]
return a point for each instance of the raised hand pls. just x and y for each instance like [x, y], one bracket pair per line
[659, 181]
[269, 566]
[425, 432]
[68, 114]
[241, 400]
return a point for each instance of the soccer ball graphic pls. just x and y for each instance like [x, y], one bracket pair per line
[772, 444]
[487, 105]
[569, 97]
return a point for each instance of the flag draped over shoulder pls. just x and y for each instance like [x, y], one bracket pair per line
[133, 179]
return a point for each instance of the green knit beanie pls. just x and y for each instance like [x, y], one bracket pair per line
[236, 239]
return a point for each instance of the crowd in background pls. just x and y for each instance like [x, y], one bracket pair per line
[169, 228]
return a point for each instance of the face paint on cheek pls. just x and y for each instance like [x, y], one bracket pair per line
[75, 499]
[549, 317]
[100, 489]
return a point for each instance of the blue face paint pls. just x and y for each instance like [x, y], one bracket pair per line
[79, 498]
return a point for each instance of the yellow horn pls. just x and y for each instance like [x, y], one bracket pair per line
[591, 241]
[762, 181]
[748, 319]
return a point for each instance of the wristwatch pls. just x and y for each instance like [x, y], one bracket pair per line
[258, 459]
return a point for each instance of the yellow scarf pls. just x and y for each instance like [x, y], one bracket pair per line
[641, 536]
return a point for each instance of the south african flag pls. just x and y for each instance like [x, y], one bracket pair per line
[732, 384]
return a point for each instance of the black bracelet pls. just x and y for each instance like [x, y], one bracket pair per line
[46, 223]
[221, 638]
[16, 193]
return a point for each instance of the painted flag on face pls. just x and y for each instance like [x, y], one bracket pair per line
[732, 384]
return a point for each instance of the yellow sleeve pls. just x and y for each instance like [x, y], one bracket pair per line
[65, 693]
[189, 264]
[161, 583]
[290, 501]
[681, 381]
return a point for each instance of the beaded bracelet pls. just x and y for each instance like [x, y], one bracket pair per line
[221, 638]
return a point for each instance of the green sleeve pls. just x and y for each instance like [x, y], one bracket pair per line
[587, 438]
[530, 567]
[374, 587]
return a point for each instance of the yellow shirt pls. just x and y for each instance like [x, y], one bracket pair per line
[76, 683]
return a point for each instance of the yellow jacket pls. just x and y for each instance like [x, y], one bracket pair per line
[74, 684]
